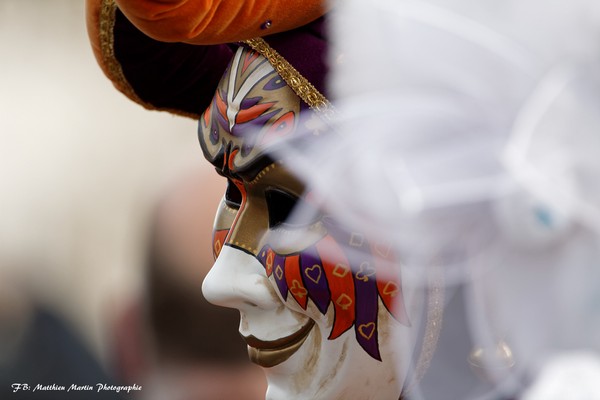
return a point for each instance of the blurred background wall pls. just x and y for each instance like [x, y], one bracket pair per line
[80, 168]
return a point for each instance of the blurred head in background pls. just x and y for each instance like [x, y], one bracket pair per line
[39, 346]
[173, 340]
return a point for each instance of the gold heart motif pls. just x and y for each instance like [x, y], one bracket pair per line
[367, 330]
[309, 273]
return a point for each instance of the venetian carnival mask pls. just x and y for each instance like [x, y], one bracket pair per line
[323, 310]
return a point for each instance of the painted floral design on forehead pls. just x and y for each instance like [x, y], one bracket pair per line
[253, 108]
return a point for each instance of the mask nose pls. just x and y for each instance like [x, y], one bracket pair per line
[238, 280]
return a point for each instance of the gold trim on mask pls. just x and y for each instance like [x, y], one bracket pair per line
[298, 83]
[265, 171]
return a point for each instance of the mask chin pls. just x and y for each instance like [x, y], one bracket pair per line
[333, 369]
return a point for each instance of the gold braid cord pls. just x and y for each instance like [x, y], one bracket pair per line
[113, 68]
[435, 312]
[298, 83]
[433, 326]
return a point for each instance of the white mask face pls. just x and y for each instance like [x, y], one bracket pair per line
[300, 360]
[325, 314]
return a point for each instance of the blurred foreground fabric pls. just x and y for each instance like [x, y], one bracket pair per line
[467, 135]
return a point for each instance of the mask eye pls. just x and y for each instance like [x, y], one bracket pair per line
[233, 196]
[281, 204]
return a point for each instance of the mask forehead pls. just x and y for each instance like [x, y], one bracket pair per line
[253, 109]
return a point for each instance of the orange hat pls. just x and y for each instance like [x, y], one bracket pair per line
[170, 54]
[218, 21]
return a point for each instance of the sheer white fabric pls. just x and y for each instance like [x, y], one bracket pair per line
[468, 134]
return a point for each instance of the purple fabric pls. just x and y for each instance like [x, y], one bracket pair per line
[314, 279]
[175, 76]
[184, 77]
[306, 49]
[365, 324]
